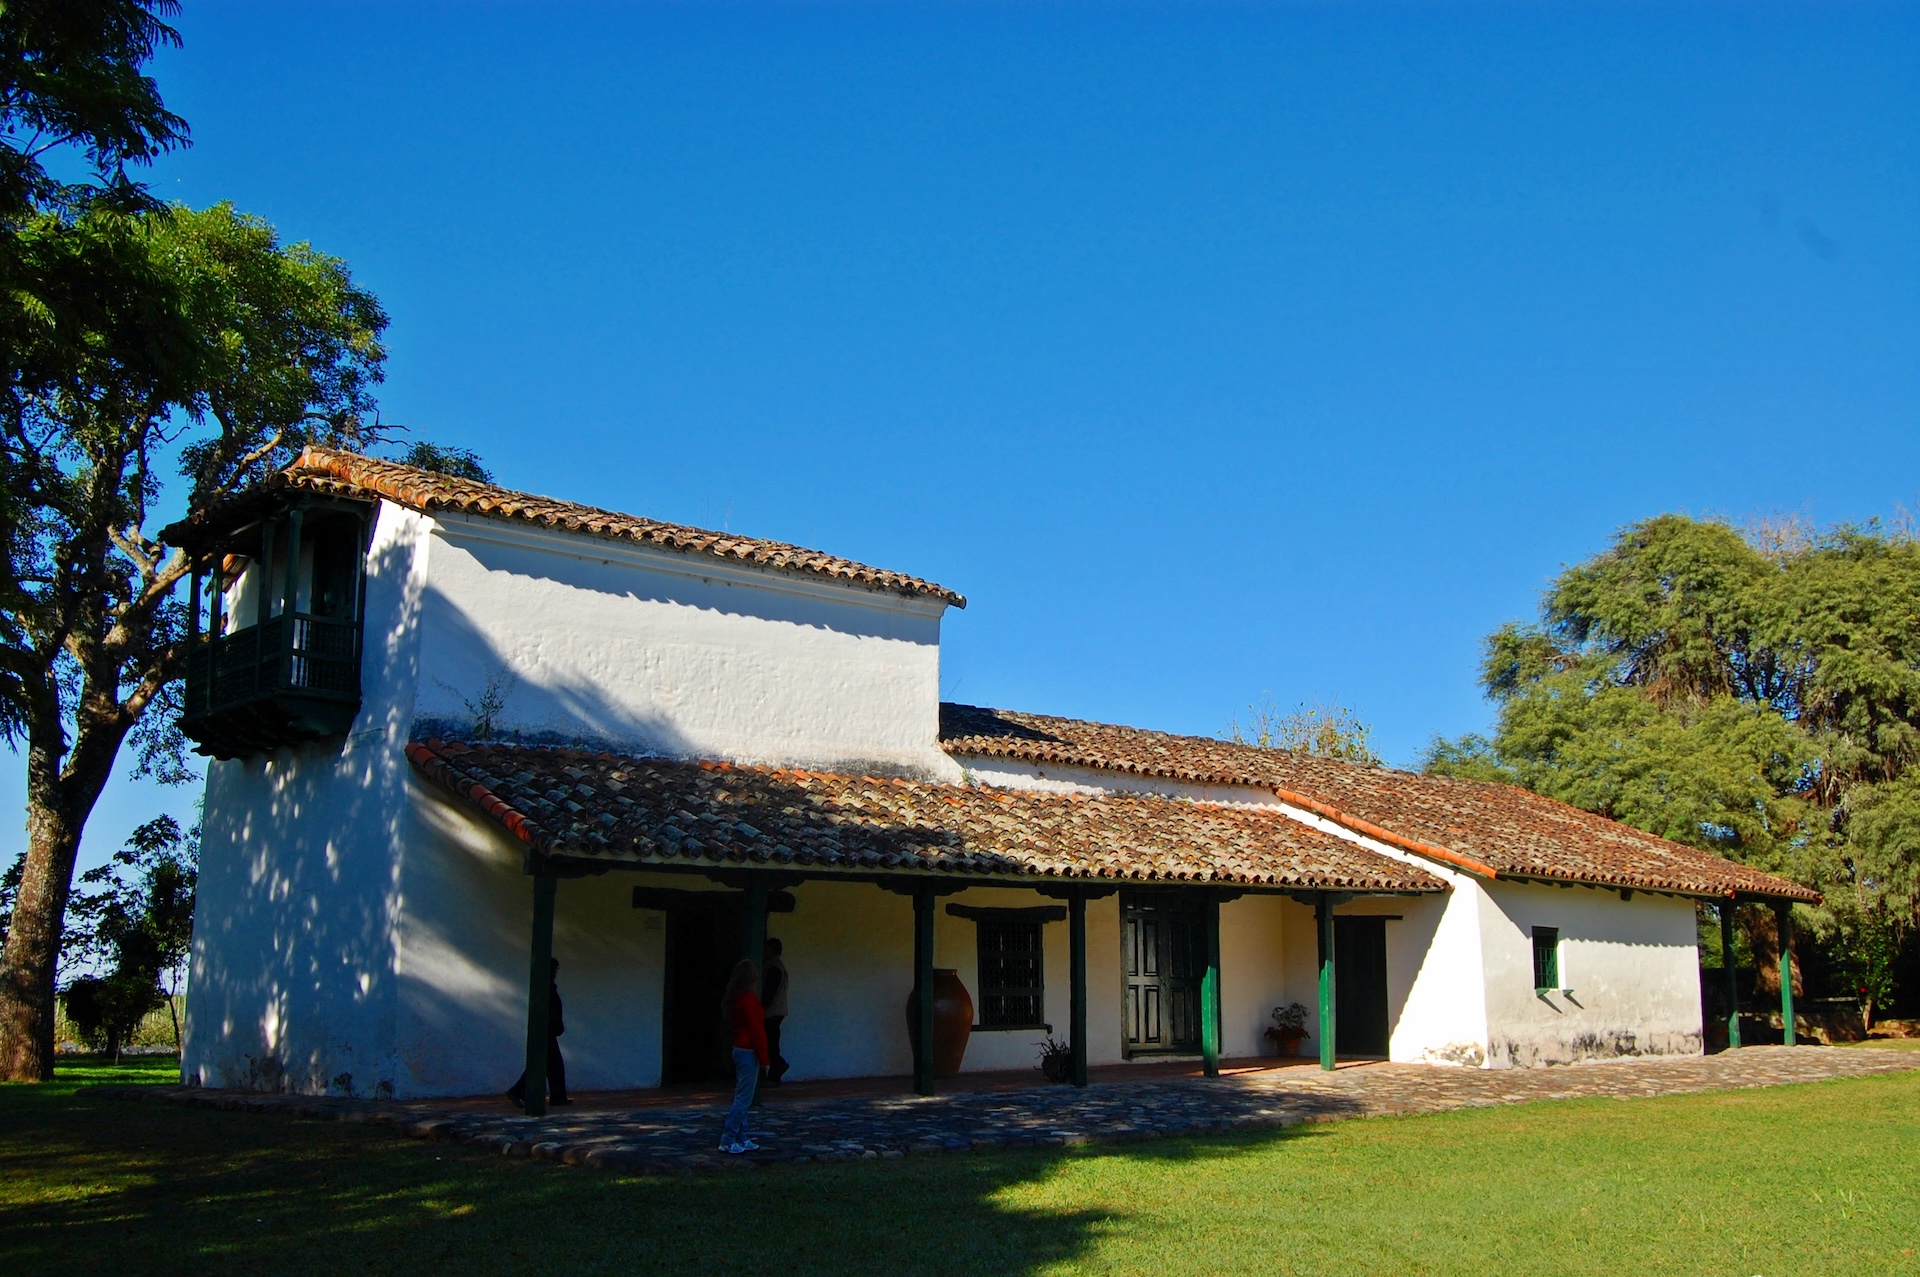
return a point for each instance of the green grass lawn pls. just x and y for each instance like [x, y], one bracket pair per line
[1819, 1178]
[1888, 1044]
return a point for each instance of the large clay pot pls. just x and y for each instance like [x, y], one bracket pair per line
[952, 1021]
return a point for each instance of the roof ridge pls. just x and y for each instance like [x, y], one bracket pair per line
[1510, 830]
[326, 469]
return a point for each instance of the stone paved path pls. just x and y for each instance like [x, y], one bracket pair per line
[659, 1138]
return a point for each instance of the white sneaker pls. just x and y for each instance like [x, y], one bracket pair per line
[728, 1146]
[745, 1146]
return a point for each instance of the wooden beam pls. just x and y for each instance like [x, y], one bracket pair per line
[1033, 913]
[539, 983]
[1077, 986]
[923, 990]
[667, 898]
[1323, 912]
[1731, 973]
[1057, 892]
[1783, 918]
[1210, 987]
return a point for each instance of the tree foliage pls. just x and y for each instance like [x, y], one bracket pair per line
[1326, 729]
[1755, 693]
[460, 463]
[131, 925]
[196, 334]
[72, 79]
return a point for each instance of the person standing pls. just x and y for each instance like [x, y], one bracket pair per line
[556, 1067]
[747, 1027]
[773, 999]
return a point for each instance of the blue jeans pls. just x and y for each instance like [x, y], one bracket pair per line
[746, 1076]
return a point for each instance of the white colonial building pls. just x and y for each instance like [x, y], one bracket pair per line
[458, 728]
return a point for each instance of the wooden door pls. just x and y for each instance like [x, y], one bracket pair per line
[1360, 985]
[1162, 953]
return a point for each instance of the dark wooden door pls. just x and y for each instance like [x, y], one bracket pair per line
[1162, 952]
[703, 943]
[1360, 985]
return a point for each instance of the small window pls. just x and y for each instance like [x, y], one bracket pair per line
[1546, 958]
[1012, 995]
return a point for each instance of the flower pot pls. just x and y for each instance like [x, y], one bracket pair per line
[1285, 1044]
[952, 1021]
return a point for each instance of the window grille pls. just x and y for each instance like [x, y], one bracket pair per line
[1012, 963]
[1546, 957]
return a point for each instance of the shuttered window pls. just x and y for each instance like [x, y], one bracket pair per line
[1011, 970]
[1546, 957]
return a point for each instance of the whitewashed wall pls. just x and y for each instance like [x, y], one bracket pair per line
[462, 941]
[1632, 967]
[681, 654]
[293, 983]
[1435, 989]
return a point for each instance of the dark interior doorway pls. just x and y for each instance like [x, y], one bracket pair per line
[1360, 986]
[1162, 942]
[703, 943]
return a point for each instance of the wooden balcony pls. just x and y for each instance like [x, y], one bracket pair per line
[289, 679]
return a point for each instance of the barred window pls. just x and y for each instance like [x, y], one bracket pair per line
[1546, 958]
[1012, 963]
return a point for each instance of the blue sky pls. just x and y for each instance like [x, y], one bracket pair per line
[1209, 350]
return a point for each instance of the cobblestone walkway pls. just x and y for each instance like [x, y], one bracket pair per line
[655, 1137]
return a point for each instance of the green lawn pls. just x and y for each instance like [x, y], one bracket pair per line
[1820, 1178]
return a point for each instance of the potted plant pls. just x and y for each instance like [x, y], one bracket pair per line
[1289, 1027]
[1056, 1061]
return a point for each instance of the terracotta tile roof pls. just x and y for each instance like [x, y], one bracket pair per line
[1499, 830]
[605, 807]
[351, 475]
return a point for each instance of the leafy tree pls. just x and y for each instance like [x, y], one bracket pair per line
[132, 922]
[71, 81]
[460, 463]
[173, 329]
[1756, 694]
[1327, 730]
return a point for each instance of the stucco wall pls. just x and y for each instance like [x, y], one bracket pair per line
[1632, 967]
[464, 925]
[678, 654]
[292, 979]
[1059, 778]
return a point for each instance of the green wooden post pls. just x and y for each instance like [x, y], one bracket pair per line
[1210, 988]
[753, 940]
[1731, 972]
[263, 606]
[1077, 981]
[292, 596]
[1783, 916]
[1323, 914]
[539, 982]
[923, 988]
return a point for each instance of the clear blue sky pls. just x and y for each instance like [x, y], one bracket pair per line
[1209, 350]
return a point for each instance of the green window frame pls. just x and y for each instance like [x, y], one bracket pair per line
[1546, 959]
[1012, 975]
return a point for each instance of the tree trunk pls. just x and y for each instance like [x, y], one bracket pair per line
[57, 808]
[33, 946]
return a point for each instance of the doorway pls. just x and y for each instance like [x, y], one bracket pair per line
[703, 943]
[1162, 941]
[1360, 986]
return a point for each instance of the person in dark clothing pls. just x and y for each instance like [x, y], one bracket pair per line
[773, 997]
[556, 1067]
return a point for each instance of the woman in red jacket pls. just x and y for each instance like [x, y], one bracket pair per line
[747, 1026]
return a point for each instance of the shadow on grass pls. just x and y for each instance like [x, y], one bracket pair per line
[169, 1189]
